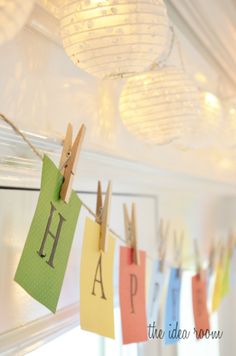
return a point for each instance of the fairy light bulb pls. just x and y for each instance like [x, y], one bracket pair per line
[13, 16]
[207, 129]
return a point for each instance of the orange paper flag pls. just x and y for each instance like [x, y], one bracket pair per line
[201, 316]
[132, 297]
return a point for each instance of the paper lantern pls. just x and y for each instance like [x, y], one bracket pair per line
[156, 106]
[113, 37]
[207, 130]
[13, 16]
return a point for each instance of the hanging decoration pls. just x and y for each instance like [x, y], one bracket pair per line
[14, 14]
[199, 300]
[132, 283]
[113, 37]
[157, 106]
[45, 256]
[42, 265]
[96, 282]
[156, 285]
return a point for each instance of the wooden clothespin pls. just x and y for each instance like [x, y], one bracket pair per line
[212, 255]
[131, 232]
[178, 245]
[218, 253]
[163, 241]
[103, 215]
[69, 160]
[231, 243]
[198, 259]
[222, 254]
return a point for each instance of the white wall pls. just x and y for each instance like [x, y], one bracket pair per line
[41, 90]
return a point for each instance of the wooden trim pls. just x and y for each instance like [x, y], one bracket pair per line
[28, 337]
[18, 173]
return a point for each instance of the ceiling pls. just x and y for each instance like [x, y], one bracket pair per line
[211, 25]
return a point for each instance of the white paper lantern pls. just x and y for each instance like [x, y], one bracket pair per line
[113, 37]
[13, 16]
[156, 106]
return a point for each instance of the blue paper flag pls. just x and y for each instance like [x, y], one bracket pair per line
[232, 268]
[172, 308]
[156, 285]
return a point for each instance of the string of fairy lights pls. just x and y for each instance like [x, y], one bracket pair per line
[159, 104]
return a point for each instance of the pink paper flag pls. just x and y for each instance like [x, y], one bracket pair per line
[132, 297]
[201, 316]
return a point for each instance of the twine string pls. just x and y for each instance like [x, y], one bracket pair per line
[40, 156]
[20, 133]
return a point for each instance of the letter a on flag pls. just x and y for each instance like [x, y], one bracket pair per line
[44, 259]
[96, 282]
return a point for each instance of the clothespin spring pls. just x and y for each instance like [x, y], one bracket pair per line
[63, 165]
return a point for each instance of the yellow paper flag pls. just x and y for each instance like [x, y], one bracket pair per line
[226, 277]
[96, 283]
[217, 294]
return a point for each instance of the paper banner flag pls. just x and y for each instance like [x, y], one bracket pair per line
[209, 278]
[210, 286]
[44, 259]
[96, 283]
[172, 307]
[199, 294]
[226, 277]
[217, 296]
[132, 297]
[232, 268]
[155, 290]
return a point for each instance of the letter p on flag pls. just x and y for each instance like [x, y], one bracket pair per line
[132, 297]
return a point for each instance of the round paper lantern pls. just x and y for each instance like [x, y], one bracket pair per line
[113, 37]
[207, 130]
[13, 16]
[156, 106]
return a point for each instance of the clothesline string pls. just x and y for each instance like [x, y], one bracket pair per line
[20, 133]
[40, 156]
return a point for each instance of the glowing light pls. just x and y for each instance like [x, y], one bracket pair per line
[113, 37]
[232, 111]
[211, 102]
[157, 106]
[200, 77]
[226, 163]
[13, 16]
[205, 131]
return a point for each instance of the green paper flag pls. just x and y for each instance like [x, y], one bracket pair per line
[44, 259]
